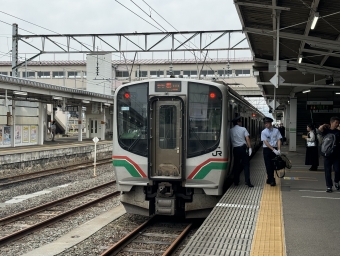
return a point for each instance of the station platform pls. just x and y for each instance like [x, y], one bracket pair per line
[60, 142]
[58, 153]
[295, 218]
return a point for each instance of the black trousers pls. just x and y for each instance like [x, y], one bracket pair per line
[241, 159]
[268, 155]
[328, 163]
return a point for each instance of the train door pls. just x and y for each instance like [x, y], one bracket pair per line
[166, 138]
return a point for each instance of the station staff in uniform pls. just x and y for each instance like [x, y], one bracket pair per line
[271, 138]
[241, 151]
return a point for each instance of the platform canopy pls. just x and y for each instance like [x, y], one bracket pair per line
[308, 53]
[28, 90]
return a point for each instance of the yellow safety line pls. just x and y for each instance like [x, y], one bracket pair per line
[269, 232]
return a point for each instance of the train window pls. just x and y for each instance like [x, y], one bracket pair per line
[204, 122]
[167, 127]
[132, 118]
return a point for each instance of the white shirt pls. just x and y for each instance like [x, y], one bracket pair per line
[271, 136]
[238, 136]
[311, 136]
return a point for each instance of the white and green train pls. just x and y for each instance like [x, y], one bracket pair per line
[171, 146]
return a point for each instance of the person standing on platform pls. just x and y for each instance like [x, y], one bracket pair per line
[271, 138]
[282, 130]
[312, 152]
[334, 158]
[53, 129]
[241, 151]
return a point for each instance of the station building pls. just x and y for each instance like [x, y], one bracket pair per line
[99, 75]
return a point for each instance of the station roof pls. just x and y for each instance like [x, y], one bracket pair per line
[318, 48]
[28, 90]
[136, 62]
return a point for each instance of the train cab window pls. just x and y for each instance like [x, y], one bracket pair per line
[132, 118]
[204, 122]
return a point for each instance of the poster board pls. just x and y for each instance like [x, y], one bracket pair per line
[17, 134]
[6, 136]
[34, 134]
[25, 134]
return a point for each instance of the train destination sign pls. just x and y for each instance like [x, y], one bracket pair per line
[168, 86]
[319, 105]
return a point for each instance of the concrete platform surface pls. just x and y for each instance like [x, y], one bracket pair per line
[79, 234]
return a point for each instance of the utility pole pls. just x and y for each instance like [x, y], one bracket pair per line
[14, 50]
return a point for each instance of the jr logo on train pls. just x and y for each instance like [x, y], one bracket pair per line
[171, 146]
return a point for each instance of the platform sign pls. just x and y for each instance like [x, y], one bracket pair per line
[273, 80]
[276, 104]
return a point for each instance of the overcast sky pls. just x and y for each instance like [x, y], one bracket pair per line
[109, 16]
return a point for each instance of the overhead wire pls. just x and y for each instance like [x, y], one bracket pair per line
[193, 52]
[138, 15]
[42, 28]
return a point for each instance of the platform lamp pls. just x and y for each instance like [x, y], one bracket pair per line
[300, 59]
[315, 20]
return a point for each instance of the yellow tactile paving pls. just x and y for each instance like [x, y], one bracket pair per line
[269, 231]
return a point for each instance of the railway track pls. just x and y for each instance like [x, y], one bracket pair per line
[45, 173]
[42, 216]
[156, 236]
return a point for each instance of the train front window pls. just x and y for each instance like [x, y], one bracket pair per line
[205, 117]
[132, 118]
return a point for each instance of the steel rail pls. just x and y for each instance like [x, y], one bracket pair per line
[46, 173]
[126, 239]
[177, 241]
[117, 247]
[26, 231]
[40, 208]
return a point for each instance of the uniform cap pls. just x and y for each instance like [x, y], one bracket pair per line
[236, 119]
[267, 120]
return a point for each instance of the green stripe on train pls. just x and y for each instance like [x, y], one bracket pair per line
[207, 168]
[129, 167]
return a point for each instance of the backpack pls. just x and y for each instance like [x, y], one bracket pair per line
[319, 139]
[328, 145]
